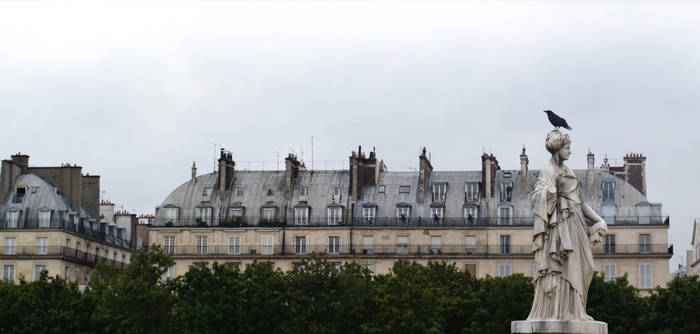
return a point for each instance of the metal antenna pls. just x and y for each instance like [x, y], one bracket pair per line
[278, 159]
[215, 147]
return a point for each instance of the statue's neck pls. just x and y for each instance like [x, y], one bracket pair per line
[556, 161]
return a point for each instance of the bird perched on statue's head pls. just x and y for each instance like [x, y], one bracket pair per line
[557, 121]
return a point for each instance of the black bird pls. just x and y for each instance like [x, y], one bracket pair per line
[556, 120]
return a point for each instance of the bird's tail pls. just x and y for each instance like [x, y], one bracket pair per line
[568, 127]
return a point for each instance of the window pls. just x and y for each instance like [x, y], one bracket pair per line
[436, 244]
[235, 212]
[381, 189]
[336, 192]
[170, 273]
[367, 244]
[170, 215]
[471, 213]
[10, 245]
[8, 272]
[234, 245]
[470, 244]
[301, 216]
[37, 271]
[404, 189]
[304, 191]
[609, 271]
[333, 244]
[437, 213]
[609, 243]
[504, 270]
[301, 244]
[270, 192]
[239, 192]
[66, 273]
[168, 246]
[402, 245]
[207, 191]
[268, 213]
[645, 243]
[504, 244]
[439, 191]
[266, 241]
[44, 218]
[506, 191]
[42, 245]
[403, 213]
[645, 279]
[608, 191]
[202, 245]
[204, 214]
[369, 214]
[505, 215]
[12, 219]
[19, 194]
[471, 192]
[335, 215]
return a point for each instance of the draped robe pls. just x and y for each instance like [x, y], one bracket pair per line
[561, 247]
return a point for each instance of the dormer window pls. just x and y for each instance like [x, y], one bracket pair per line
[369, 214]
[506, 191]
[301, 215]
[471, 191]
[204, 215]
[439, 192]
[336, 191]
[269, 212]
[44, 217]
[403, 214]
[239, 192]
[381, 189]
[471, 213]
[335, 214]
[270, 192]
[304, 191]
[12, 218]
[404, 189]
[170, 214]
[20, 191]
[505, 215]
[236, 211]
[608, 191]
[207, 191]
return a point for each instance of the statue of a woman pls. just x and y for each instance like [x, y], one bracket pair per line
[562, 240]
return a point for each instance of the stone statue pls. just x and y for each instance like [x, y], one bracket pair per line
[562, 247]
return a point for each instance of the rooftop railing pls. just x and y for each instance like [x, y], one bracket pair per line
[315, 221]
[394, 250]
[78, 227]
[68, 253]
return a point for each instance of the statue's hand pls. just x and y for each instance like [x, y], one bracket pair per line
[565, 213]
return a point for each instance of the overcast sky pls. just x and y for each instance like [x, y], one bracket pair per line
[136, 92]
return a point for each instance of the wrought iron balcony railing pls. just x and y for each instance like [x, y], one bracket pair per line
[81, 228]
[514, 221]
[84, 258]
[392, 250]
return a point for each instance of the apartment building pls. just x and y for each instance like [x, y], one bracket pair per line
[479, 220]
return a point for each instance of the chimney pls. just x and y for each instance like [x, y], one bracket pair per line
[363, 172]
[489, 166]
[635, 171]
[194, 172]
[523, 174]
[21, 160]
[425, 168]
[291, 172]
[590, 190]
[226, 170]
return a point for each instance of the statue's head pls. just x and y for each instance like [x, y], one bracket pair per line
[559, 144]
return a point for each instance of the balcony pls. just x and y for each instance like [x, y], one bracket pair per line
[55, 224]
[321, 221]
[60, 252]
[394, 250]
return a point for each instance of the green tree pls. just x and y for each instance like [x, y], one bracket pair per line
[323, 299]
[676, 308]
[135, 300]
[618, 303]
[47, 305]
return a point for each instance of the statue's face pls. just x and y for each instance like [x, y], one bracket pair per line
[564, 152]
